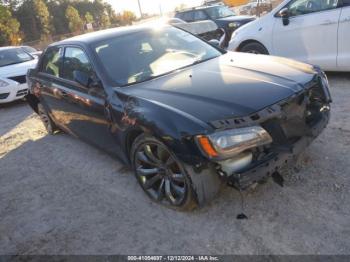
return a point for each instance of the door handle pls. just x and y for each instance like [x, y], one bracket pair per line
[64, 93]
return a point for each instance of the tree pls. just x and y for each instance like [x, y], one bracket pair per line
[9, 27]
[75, 23]
[43, 18]
[89, 19]
[128, 17]
[105, 21]
[180, 7]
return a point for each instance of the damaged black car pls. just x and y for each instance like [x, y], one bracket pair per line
[185, 115]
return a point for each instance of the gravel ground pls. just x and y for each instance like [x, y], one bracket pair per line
[61, 196]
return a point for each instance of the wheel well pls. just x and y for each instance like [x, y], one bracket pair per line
[132, 135]
[248, 42]
[33, 101]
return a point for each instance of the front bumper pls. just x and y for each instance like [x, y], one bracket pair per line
[12, 92]
[277, 159]
[293, 124]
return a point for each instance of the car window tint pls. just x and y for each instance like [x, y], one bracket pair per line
[188, 16]
[75, 60]
[346, 2]
[52, 62]
[302, 7]
[199, 15]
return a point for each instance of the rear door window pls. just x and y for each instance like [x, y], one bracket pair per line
[302, 7]
[188, 16]
[52, 62]
[199, 15]
[346, 2]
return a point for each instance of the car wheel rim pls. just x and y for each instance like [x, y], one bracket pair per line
[160, 175]
[45, 119]
[253, 52]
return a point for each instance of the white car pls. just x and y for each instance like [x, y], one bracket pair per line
[14, 64]
[311, 31]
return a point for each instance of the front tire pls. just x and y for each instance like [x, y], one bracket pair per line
[161, 175]
[254, 48]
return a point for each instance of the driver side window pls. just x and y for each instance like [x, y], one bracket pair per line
[302, 7]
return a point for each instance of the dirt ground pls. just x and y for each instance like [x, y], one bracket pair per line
[61, 196]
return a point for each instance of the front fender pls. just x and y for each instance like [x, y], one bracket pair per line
[171, 126]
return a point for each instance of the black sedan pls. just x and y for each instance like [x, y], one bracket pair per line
[183, 114]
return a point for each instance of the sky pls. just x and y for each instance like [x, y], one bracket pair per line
[150, 6]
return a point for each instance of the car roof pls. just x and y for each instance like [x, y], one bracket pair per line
[8, 47]
[95, 37]
[197, 8]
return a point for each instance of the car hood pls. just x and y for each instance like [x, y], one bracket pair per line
[17, 69]
[236, 18]
[232, 85]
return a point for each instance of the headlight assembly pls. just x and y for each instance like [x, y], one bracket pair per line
[234, 24]
[3, 83]
[228, 143]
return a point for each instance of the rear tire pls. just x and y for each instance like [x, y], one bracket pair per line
[254, 48]
[49, 125]
[161, 175]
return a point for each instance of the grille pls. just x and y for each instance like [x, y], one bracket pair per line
[4, 95]
[20, 79]
[22, 92]
[299, 115]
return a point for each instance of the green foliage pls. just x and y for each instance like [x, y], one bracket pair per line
[43, 18]
[75, 23]
[126, 18]
[105, 22]
[9, 27]
[52, 19]
[89, 18]
[35, 20]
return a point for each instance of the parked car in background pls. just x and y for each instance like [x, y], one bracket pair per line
[14, 64]
[221, 15]
[183, 114]
[32, 50]
[315, 32]
[206, 29]
[245, 9]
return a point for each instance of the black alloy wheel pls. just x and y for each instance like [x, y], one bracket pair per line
[160, 174]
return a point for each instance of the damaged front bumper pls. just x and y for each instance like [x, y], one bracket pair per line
[293, 125]
[277, 159]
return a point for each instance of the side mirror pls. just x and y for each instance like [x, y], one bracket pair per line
[284, 14]
[81, 78]
[214, 42]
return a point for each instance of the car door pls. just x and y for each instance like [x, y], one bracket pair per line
[83, 100]
[311, 35]
[48, 80]
[344, 38]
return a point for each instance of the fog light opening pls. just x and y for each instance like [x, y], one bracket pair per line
[236, 163]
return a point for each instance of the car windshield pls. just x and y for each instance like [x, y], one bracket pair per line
[220, 12]
[141, 56]
[29, 49]
[13, 56]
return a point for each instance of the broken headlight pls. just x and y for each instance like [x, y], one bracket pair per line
[228, 143]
